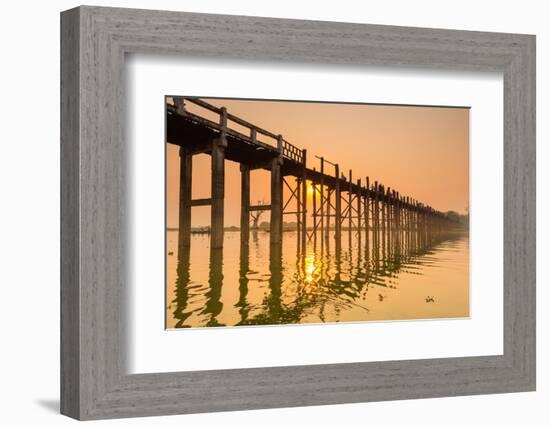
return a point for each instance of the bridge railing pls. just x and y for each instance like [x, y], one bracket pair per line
[288, 150]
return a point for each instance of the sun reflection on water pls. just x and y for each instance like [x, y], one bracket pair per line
[362, 282]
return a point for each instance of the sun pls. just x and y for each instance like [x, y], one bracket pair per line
[309, 189]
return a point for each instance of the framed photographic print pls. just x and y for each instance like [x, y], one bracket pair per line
[352, 251]
[262, 213]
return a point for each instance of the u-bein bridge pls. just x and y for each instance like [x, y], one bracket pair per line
[339, 203]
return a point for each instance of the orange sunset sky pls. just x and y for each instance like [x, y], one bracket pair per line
[422, 152]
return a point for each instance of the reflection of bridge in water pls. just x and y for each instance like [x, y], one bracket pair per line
[316, 282]
[388, 229]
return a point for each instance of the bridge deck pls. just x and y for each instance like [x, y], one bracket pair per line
[196, 133]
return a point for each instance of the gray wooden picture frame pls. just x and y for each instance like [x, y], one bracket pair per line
[94, 381]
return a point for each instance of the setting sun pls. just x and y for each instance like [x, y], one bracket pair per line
[309, 189]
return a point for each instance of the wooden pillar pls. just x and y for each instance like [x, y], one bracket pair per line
[350, 210]
[245, 204]
[314, 202]
[395, 218]
[218, 184]
[276, 221]
[375, 214]
[180, 105]
[184, 216]
[411, 225]
[304, 199]
[398, 219]
[328, 201]
[218, 177]
[383, 222]
[337, 211]
[298, 213]
[416, 226]
[359, 202]
[389, 219]
[423, 225]
[366, 211]
[406, 223]
[322, 199]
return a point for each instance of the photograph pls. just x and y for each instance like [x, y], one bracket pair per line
[296, 212]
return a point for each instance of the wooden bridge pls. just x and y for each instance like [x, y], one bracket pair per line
[339, 202]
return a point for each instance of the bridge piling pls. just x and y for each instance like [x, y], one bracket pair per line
[184, 215]
[275, 234]
[304, 198]
[359, 202]
[298, 197]
[245, 204]
[322, 200]
[350, 207]
[375, 215]
[218, 184]
[337, 212]
[366, 209]
[327, 216]
[313, 234]
[383, 219]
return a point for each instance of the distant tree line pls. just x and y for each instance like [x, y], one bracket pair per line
[463, 219]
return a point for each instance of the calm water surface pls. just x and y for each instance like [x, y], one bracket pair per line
[365, 282]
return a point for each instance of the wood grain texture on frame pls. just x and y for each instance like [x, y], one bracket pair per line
[95, 237]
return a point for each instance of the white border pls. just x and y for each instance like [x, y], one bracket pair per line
[152, 349]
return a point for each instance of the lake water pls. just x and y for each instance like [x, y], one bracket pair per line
[365, 282]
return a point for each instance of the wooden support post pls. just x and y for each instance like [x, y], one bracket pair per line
[405, 223]
[397, 220]
[180, 104]
[409, 224]
[328, 203]
[184, 217]
[218, 184]
[399, 225]
[416, 226]
[389, 219]
[383, 222]
[322, 199]
[245, 204]
[350, 210]
[359, 202]
[375, 214]
[413, 225]
[392, 216]
[304, 199]
[314, 202]
[367, 196]
[376, 223]
[276, 221]
[337, 211]
[298, 212]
